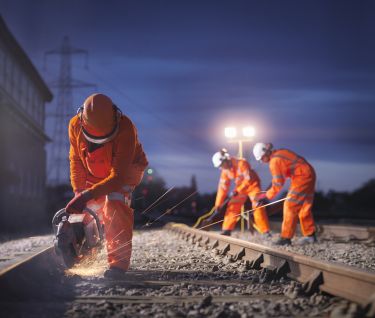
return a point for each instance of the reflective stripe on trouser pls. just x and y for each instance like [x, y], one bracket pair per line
[299, 205]
[234, 208]
[118, 222]
[260, 214]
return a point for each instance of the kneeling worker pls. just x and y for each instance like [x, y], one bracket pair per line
[284, 164]
[106, 163]
[247, 183]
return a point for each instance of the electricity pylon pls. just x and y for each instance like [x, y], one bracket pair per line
[58, 164]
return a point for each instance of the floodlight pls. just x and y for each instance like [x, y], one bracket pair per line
[230, 132]
[248, 131]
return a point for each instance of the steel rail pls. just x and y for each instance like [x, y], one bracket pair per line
[339, 232]
[347, 232]
[18, 264]
[339, 280]
[29, 274]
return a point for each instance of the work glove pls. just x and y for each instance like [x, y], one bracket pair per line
[233, 193]
[261, 198]
[78, 203]
[262, 202]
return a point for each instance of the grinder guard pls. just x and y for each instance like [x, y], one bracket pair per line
[74, 238]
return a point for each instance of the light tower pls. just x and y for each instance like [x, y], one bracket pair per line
[248, 133]
[58, 165]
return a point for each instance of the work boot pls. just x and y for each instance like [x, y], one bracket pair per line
[266, 235]
[282, 241]
[114, 273]
[309, 239]
[226, 232]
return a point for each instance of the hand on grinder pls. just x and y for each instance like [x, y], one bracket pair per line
[78, 203]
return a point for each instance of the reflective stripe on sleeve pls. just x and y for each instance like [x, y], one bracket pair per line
[123, 198]
[293, 166]
[300, 201]
[295, 200]
[279, 176]
[277, 184]
[115, 196]
[301, 194]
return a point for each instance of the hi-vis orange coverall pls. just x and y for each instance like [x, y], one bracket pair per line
[110, 171]
[286, 164]
[247, 183]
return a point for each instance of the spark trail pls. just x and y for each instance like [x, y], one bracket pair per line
[152, 205]
[170, 209]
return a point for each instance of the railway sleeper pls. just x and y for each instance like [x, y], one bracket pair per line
[197, 238]
[370, 306]
[236, 253]
[272, 272]
[223, 248]
[312, 285]
[204, 243]
[255, 261]
[212, 245]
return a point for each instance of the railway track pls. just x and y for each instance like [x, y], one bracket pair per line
[177, 279]
[339, 280]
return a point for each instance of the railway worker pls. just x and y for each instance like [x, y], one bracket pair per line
[247, 184]
[285, 164]
[106, 163]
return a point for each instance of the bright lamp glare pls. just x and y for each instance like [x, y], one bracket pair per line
[230, 132]
[248, 131]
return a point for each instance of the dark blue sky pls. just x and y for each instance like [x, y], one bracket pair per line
[301, 72]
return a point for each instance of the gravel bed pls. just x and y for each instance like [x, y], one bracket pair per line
[353, 253]
[14, 248]
[164, 266]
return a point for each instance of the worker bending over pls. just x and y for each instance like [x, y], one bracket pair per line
[247, 184]
[106, 163]
[285, 164]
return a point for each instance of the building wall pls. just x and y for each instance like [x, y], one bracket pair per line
[22, 146]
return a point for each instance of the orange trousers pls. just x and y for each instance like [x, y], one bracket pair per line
[234, 209]
[118, 219]
[299, 205]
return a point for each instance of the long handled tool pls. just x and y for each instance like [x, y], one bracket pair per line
[215, 214]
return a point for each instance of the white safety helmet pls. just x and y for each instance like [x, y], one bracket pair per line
[219, 157]
[260, 150]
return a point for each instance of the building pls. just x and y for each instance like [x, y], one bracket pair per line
[23, 95]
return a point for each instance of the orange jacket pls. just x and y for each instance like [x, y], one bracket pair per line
[286, 164]
[244, 178]
[118, 159]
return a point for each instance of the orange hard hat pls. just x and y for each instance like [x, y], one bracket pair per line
[99, 116]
